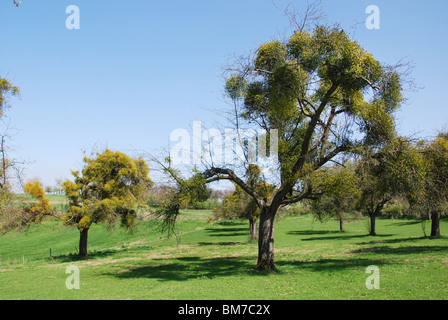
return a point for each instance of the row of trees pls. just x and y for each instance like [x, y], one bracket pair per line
[414, 171]
[402, 169]
[113, 187]
[330, 101]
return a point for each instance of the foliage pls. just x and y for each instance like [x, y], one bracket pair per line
[436, 182]
[395, 170]
[20, 213]
[434, 192]
[43, 207]
[297, 209]
[111, 187]
[183, 194]
[6, 91]
[340, 191]
[239, 205]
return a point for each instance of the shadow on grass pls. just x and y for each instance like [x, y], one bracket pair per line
[226, 243]
[230, 223]
[329, 235]
[407, 222]
[187, 268]
[228, 232]
[397, 240]
[313, 232]
[333, 264]
[73, 257]
[402, 250]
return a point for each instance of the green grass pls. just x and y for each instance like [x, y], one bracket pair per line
[315, 261]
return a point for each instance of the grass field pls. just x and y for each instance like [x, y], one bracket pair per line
[212, 262]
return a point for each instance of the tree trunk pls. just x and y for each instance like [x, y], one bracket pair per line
[435, 226]
[341, 223]
[266, 239]
[372, 224]
[83, 243]
[253, 228]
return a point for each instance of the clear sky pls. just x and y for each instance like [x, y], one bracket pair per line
[137, 70]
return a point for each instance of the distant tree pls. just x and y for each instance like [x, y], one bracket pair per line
[26, 213]
[111, 187]
[239, 205]
[219, 194]
[435, 195]
[57, 188]
[49, 189]
[339, 190]
[394, 170]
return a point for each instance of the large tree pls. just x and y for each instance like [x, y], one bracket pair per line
[111, 187]
[323, 93]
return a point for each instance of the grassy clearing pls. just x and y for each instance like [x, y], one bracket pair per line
[315, 261]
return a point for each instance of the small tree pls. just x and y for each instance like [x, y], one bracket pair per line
[394, 170]
[340, 192]
[436, 182]
[110, 188]
[239, 205]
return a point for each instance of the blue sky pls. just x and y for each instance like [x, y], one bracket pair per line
[137, 70]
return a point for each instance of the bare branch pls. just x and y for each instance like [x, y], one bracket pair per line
[307, 19]
[228, 174]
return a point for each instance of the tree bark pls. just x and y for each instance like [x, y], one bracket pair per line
[341, 223]
[83, 242]
[266, 239]
[435, 226]
[253, 228]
